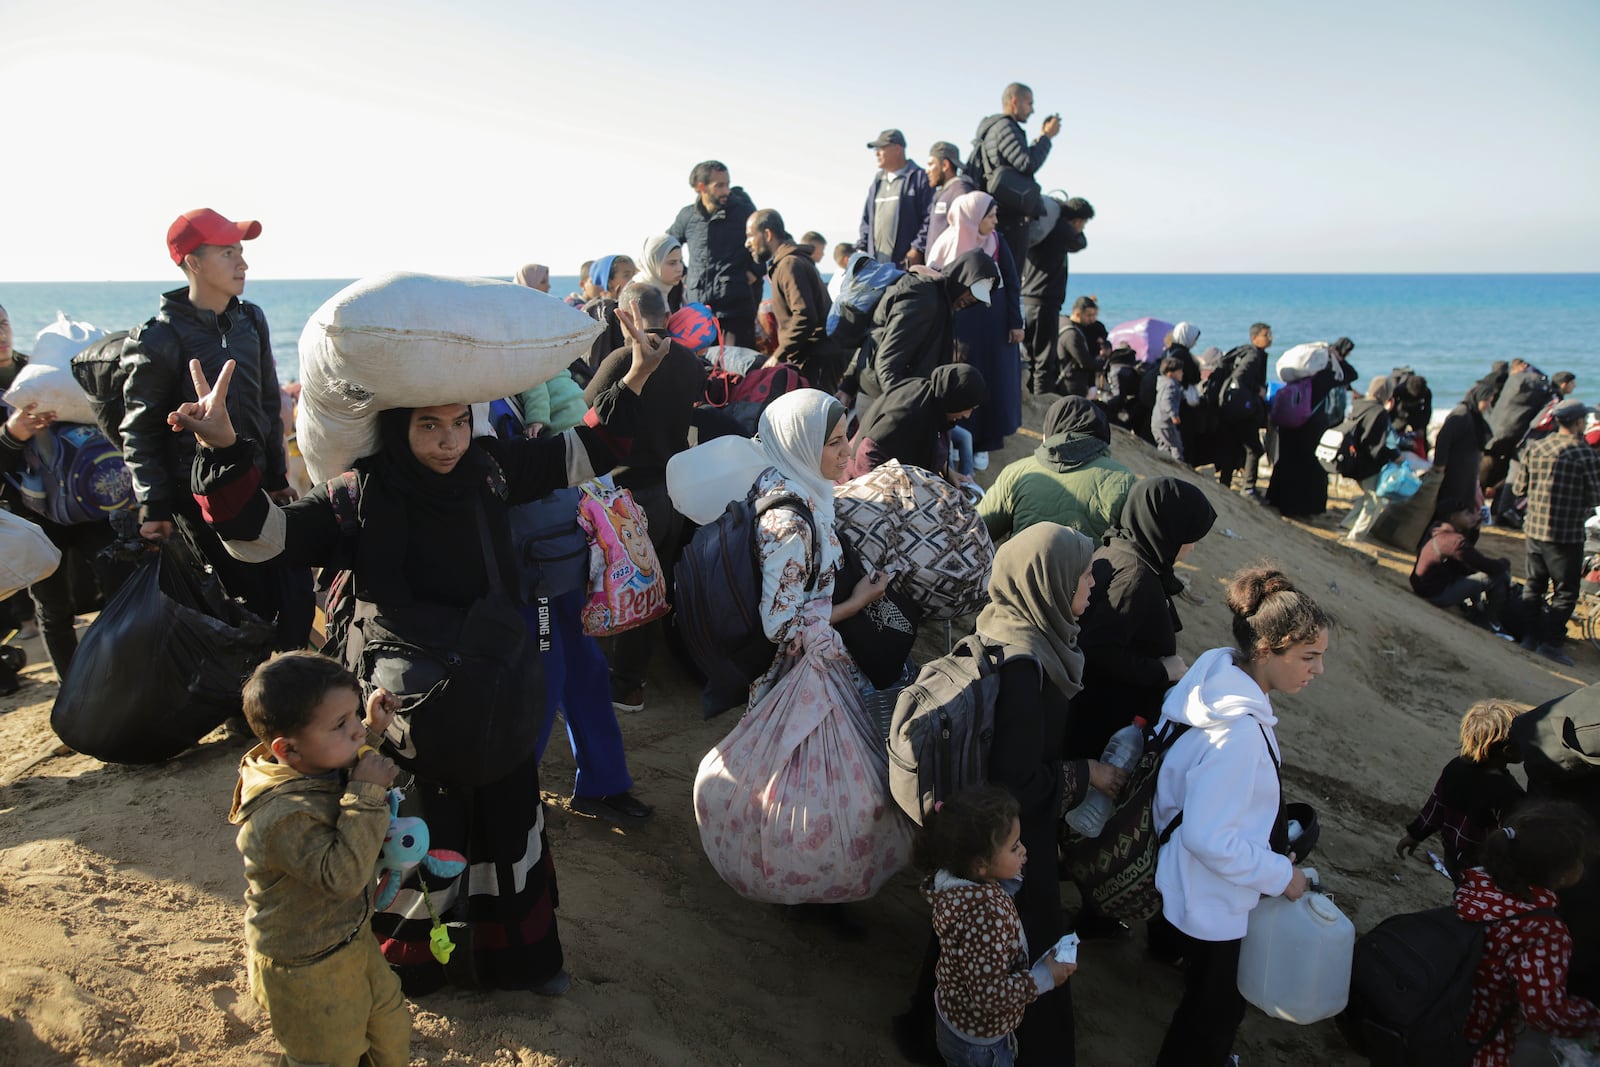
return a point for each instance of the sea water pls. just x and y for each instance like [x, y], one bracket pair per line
[1448, 327]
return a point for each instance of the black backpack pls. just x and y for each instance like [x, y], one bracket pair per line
[1339, 449]
[717, 597]
[942, 726]
[98, 369]
[1411, 989]
[1213, 388]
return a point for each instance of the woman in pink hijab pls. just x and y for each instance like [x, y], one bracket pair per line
[986, 336]
[973, 218]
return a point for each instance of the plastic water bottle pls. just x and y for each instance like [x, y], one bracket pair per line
[1122, 752]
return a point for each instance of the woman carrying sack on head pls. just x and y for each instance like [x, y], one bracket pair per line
[1219, 786]
[431, 554]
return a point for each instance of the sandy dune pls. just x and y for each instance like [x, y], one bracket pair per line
[120, 889]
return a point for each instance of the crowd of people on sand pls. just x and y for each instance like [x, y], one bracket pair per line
[942, 313]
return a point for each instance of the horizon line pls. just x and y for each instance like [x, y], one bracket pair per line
[1145, 273]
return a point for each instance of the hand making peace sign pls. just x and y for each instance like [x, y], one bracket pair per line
[207, 417]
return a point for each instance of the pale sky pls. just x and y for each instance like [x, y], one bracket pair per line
[471, 137]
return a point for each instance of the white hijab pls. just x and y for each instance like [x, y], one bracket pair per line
[793, 430]
[656, 250]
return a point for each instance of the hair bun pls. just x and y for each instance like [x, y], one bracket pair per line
[1252, 586]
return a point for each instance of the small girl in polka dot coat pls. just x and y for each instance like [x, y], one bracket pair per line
[973, 844]
[1527, 948]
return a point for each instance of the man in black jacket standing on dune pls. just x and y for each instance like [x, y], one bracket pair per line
[1001, 142]
[721, 273]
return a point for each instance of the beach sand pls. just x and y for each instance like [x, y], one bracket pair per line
[122, 917]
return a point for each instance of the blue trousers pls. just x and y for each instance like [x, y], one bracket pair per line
[577, 683]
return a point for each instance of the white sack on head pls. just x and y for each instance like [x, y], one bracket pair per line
[407, 340]
[1302, 361]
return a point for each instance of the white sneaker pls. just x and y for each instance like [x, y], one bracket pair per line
[980, 461]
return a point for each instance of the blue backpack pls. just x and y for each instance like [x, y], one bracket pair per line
[71, 474]
[552, 551]
[717, 598]
[850, 319]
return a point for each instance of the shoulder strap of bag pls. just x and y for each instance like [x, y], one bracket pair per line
[1177, 820]
[491, 562]
[1280, 825]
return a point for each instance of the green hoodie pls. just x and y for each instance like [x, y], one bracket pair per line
[1070, 479]
[310, 849]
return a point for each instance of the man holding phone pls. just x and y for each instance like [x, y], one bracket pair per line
[1002, 142]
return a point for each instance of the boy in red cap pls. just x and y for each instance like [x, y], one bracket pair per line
[209, 322]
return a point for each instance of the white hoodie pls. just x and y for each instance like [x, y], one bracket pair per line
[1220, 774]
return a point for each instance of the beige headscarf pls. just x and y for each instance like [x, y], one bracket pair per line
[533, 275]
[1035, 576]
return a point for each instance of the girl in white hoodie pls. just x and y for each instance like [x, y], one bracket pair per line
[1220, 785]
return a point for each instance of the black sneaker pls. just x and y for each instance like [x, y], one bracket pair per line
[1555, 654]
[618, 807]
[627, 698]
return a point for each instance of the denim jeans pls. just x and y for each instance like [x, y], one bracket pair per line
[961, 442]
[959, 1052]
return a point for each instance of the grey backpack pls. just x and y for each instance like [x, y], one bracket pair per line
[942, 726]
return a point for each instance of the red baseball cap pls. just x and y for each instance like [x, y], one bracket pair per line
[203, 226]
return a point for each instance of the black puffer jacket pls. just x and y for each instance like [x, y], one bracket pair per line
[156, 362]
[1001, 142]
[718, 260]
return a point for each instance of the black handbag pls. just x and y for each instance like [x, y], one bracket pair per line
[470, 688]
[1015, 192]
[879, 637]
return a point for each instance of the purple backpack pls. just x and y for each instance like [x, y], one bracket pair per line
[1291, 405]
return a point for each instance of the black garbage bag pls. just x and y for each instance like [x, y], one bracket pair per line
[161, 667]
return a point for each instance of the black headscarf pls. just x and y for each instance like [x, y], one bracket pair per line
[906, 421]
[402, 502]
[1076, 414]
[967, 269]
[959, 386]
[1160, 517]
[404, 473]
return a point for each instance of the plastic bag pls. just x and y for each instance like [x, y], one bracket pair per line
[26, 554]
[161, 667]
[1398, 481]
[626, 587]
[793, 805]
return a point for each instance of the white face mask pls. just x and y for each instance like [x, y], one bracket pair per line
[980, 290]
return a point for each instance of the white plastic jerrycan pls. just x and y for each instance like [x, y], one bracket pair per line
[1294, 962]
